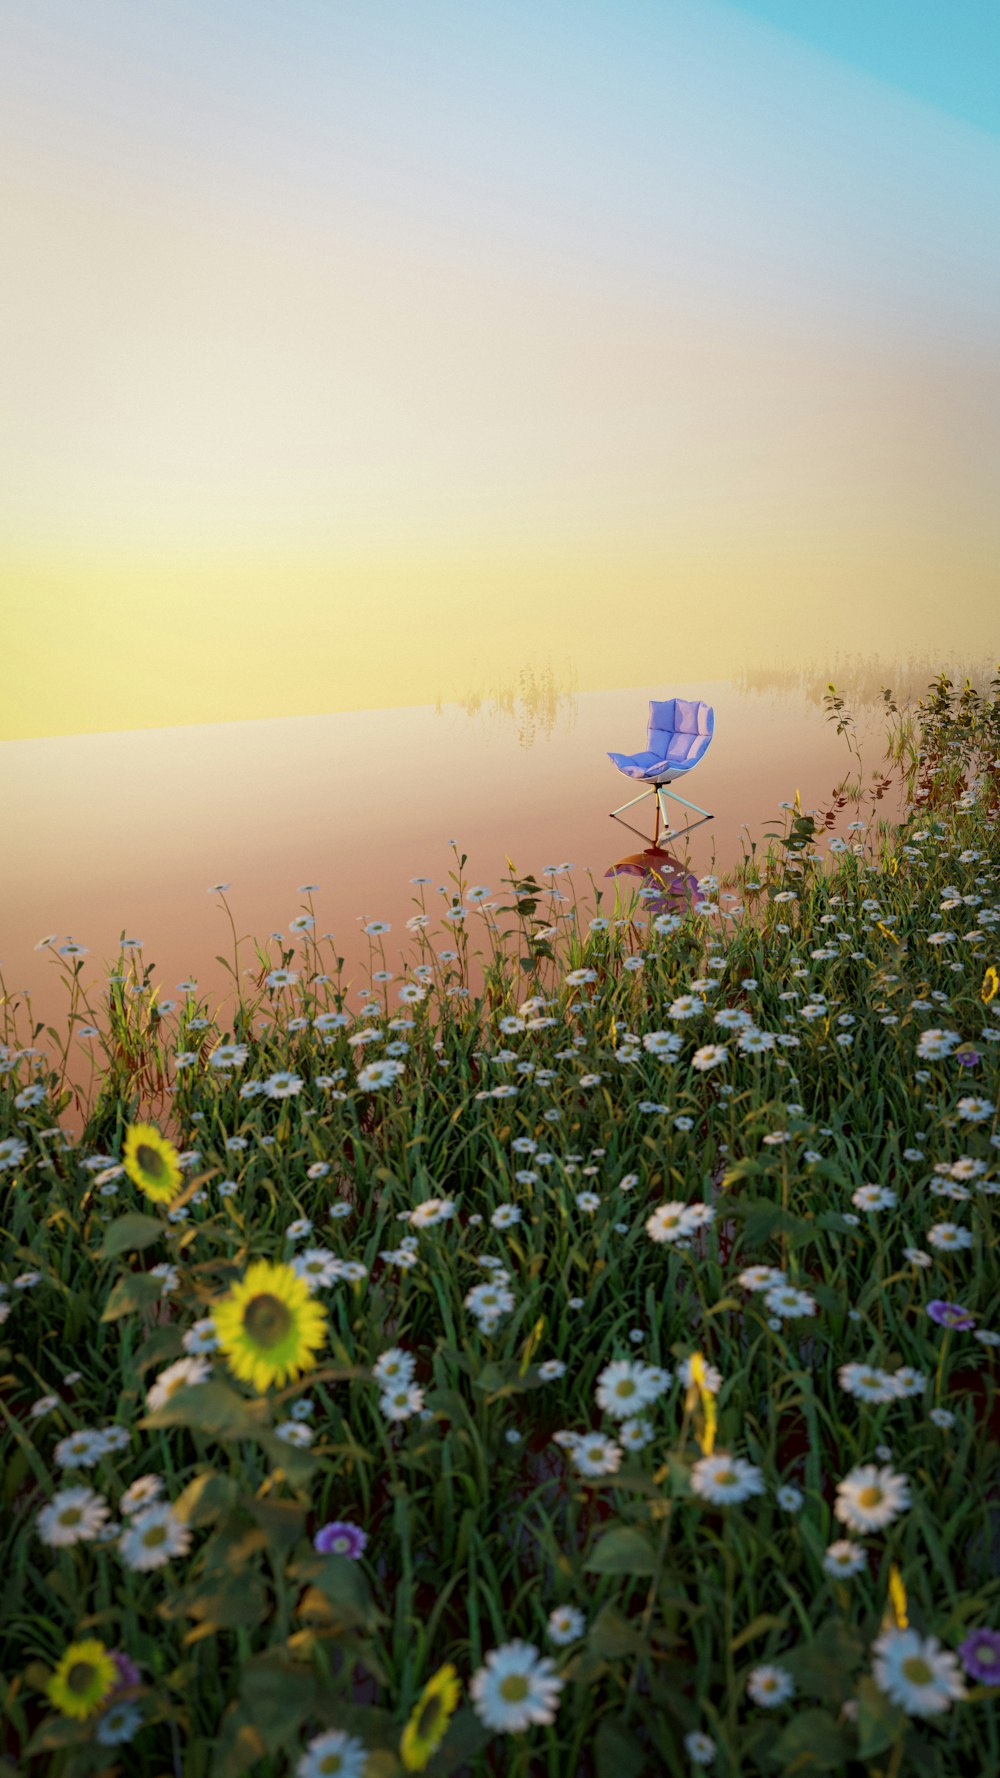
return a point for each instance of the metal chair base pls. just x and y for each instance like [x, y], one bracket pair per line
[669, 833]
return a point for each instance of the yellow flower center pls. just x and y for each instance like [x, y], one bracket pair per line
[917, 1671]
[150, 1160]
[725, 1476]
[81, 1676]
[70, 1515]
[331, 1763]
[154, 1536]
[514, 1688]
[869, 1497]
[625, 1387]
[268, 1321]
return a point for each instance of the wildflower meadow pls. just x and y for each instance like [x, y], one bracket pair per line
[572, 1352]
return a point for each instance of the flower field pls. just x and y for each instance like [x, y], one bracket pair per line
[574, 1353]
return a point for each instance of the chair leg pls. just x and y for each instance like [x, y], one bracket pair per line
[631, 805]
[683, 799]
[659, 791]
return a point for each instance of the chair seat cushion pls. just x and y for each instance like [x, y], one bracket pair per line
[679, 735]
[649, 766]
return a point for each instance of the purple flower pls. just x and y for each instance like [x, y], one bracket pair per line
[969, 1058]
[341, 1539]
[128, 1672]
[950, 1314]
[980, 1655]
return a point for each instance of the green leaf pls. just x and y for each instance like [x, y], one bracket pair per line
[812, 1742]
[824, 1666]
[466, 1737]
[282, 1522]
[298, 1466]
[209, 1407]
[278, 1695]
[129, 1233]
[343, 1585]
[880, 1723]
[617, 1753]
[611, 1636]
[239, 1745]
[239, 1601]
[163, 1346]
[205, 1498]
[137, 1290]
[57, 1732]
[622, 1550]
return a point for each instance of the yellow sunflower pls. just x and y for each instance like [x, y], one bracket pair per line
[429, 1719]
[991, 983]
[85, 1676]
[268, 1326]
[151, 1162]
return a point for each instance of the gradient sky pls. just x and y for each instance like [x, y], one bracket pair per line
[358, 353]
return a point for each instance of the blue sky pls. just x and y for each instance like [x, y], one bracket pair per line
[945, 52]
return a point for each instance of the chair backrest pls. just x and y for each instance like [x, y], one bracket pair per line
[680, 729]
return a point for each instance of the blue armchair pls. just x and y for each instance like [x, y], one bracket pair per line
[679, 735]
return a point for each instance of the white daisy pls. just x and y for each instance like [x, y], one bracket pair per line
[949, 1237]
[635, 1434]
[874, 1197]
[700, 1748]
[184, 1374]
[769, 1685]
[118, 1724]
[201, 1337]
[625, 1387]
[566, 1624]
[378, 1075]
[81, 1450]
[74, 1515]
[711, 1378]
[394, 1366]
[153, 1537]
[916, 1673]
[870, 1498]
[761, 1278]
[401, 1402]
[142, 1493]
[667, 1222]
[867, 1383]
[432, 1210]
[515, 1688]
[505, 1215]
[334, 1751]
[593, 1455]
[318, 1267]
[788, 1303]
[845, 1558]
[907, 1381]
[726, 1481]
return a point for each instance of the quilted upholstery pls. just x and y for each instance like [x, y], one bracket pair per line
[679, 734]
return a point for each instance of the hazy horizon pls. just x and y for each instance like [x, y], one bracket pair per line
[358, 354]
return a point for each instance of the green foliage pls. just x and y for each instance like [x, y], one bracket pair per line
[249, 1642]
